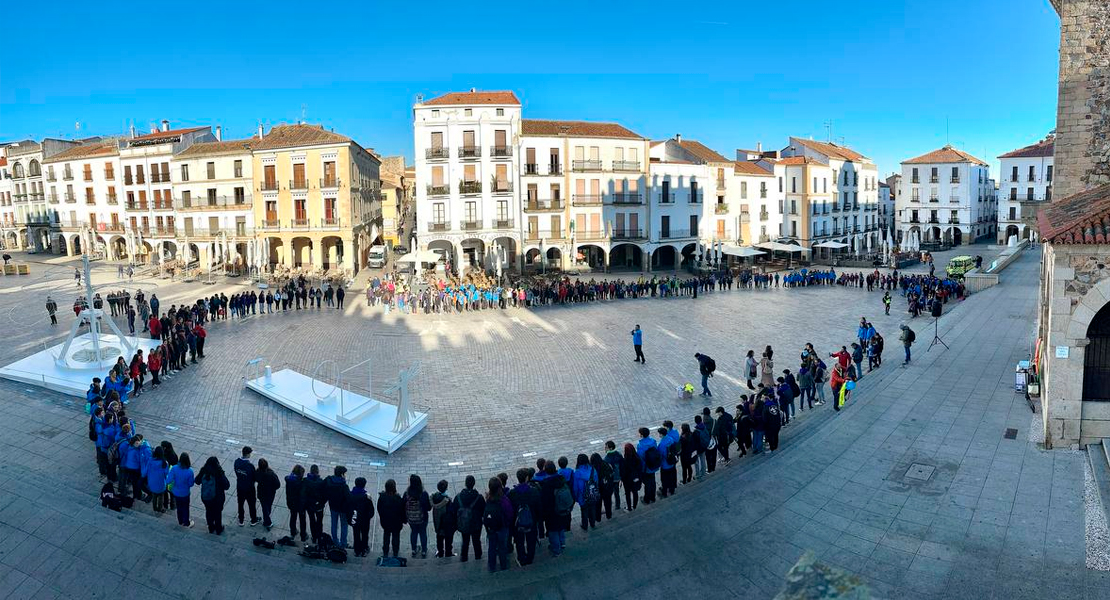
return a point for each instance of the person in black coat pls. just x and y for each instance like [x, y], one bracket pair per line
[723, 430]
[213, 507]
[337, 493]
[470, 502]
[391, 515]
[314, 501]
[743, 427]
[294, 494]
[632, 468]
[268, 485]
[244, 479]
[362, 513]
[526, 493]
[557, 525]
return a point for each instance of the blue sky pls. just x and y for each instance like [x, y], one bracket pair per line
[887, 74]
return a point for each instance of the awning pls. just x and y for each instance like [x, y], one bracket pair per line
[831, 244]
[419, 256]
[741, 251]
[780, 247]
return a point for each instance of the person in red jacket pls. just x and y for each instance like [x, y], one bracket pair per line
[155, 327]
[201, 334]
[154, 364]
[844, 358]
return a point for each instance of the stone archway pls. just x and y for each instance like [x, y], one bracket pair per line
[689, 252]
[301, 252]
[591, 255]
[1096, 357]
[117, 248]
[331, 248]
[277, 252]
[626, 256]
[664, 257]
[445, 249]
[957, 237]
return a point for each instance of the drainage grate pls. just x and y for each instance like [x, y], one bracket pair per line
[920, 472]
[1011, 433]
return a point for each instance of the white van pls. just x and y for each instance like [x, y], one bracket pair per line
[375, 258]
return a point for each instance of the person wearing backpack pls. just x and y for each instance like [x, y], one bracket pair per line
[671, 449]
[706, 366]
[294, 492]
[820, 376]
[652, 458]
[632, 467]
[213, 483]
[688, 456]
[908, 337]
[154, 471]
[138, 453]
[105, 439]
[391, 516]
[525, 499]
[337, 493]
[469, 506]
[179, 481]
[751, 369]
[417, 507]
[244, 486]
[362, 514]
[313, 500]
[496, 519]
[556, 515]
[587, 491]
[268, 485]
[444, 520]
[606, 483]
[743, 426]
[711, 447]
[772, 422]
[613, 459]
[702, 446]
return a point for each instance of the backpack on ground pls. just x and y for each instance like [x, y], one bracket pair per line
[392, 561]
[591, 495]
[113, 452]
[564, 501]
[653, 458]
[911, 337]
[208, 488]
[525, 522]
[337, 555]
[674, 453]
[466, 515]
[493, 518]
[413, 513]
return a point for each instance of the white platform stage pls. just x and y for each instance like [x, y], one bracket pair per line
[42, 369]
[364, 419]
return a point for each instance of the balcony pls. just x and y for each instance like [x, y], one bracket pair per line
[37, 196]
[836, 207]
[70, 199]
[156, 177]
[915, 219]
[165, 231]
[585, 165]
[298, 184]
[590, 234]
[934, 199]
[213, 203]
[135, 205]
[437, 153]
[503, 224]
[165, 204]
[536, 205]
[764, 215]
[270, 224]
[73, 225]
[954, 221]
[470, 152]
[19, 197]
[470, 187]
[531, 169]
[438, 190]
[695, 198]
[87, 176]
[721, 208]
[471, 225]
[955, 179]
[625, 166]
[330, 182]
[954, 199]
[915, 180]
[627, 198]
[676, 234]
[934, 220]
[721, 184]
[67, 176]
[330, 223]
[586, 200]
[50, 176]
[109, 175]
[90, 200]
[666, 197]
[270, 186]
[116, 227]
[53, 198]
[439, 226]
[934, 179]
[501, 151]
[546, 234]
[301, 223]
[502, 187]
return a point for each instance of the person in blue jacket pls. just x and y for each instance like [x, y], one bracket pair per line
[179, 481]
[94, 391]
[106, 436]
[648, 475]
[583, 475]
[133, 463]
[668, 473]
[638, 344]
[115, 383]
[154, 472]
[565, 470]
[99, 420]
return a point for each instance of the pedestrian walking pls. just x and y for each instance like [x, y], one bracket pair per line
[908, 337]
[706, 367]
[52, 310]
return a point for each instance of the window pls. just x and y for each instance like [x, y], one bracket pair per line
[210, 168]
[743, 190]
[915, 195]
[814, 186]
[1032, 173]
[1013, 193]
[780, 184]
[299, 181]
[1013, 213]
[89, 199]
[1014, 174]
[914, 178]
[240, 195]
[693, 226]
[269, 179]
[501, 177]
[437, 213]
[165, 172]
[184, 172]
[470, 173]
[468, 112]
[763, 188]
[435, 114]
[186, 199]
[110, 171]
[329, 174]
[88, 172]
[1029, 194]
[824, 185]
[1048, 174]
[238, 168]
[211, 197]
[139, 178]
[501, 112]
[793, 185]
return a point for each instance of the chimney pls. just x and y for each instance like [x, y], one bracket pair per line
[472, 90]
[759, 148]
[260, 131]
[153, 128]
[678, 137]
[219, 134]
[165, 125]
[132, 131]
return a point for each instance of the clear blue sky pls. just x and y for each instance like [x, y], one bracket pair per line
[727, 73]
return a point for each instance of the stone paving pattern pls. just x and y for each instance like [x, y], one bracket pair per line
[997, 517]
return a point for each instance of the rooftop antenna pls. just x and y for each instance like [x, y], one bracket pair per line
[946, 140]
[304, 111]
[828, 130]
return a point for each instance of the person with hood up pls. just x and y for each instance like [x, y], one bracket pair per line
[362, 514]
[772, 422]
[444, 520]
[268, 485]
[213, 483]
[337, 493]
[294, 501]
[391, 515]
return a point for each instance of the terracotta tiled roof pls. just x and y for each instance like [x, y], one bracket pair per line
[1082, 218]
[947, 154]
[701, 151]
[217, 148]
[743, 167]
[1045, 147]
[577, 129]
[799, 160]
[89, 151]
[832, 150]
[291, 136]
[171, 133]
[476, 97]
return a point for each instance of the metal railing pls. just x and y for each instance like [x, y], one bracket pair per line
[696, 198]
[470, 151]
[437, 153]
[270, 223]
[666, 198]
[67, 176]
[721, 184]
[439, 226]
[503, 224]
[586, 199]
[109, 175]
[500, 151]
[544, 205]
[217, 202]
[53, 198]
[438, 190]
[502, 187]
[269, 186]
[301, 223]
[590, 234]
[331, 222]
[626, 166]
[471, 225]
[764, 215]
[50, 176]
[676, 234]
[330, 182]
[298, 184]
[627, 198]
[585, 165]
[627, 233]
[721, 208]
[955, 179]
[69, 198]
[470, 187]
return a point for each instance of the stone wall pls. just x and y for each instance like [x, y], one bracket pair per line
[1083, 109]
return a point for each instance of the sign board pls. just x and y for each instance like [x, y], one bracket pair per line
[1062, 351]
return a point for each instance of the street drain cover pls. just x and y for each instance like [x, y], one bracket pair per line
[1011, 434]
[920, 472]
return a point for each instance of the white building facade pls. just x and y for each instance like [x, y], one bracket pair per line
[1025, 185]
[947, 199]
[82, 188]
